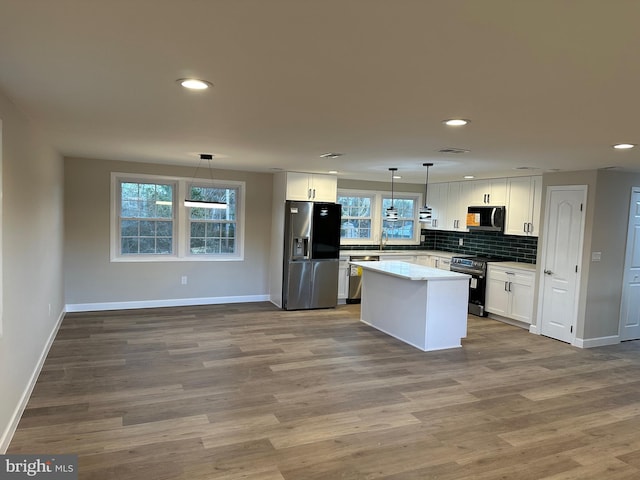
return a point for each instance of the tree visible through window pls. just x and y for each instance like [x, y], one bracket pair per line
[356, 217]
[213, 230]
[403, 228]
[146, 218]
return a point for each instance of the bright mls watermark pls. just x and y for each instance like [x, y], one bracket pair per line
[51, 467]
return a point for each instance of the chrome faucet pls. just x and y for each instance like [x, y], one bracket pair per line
[384, 237]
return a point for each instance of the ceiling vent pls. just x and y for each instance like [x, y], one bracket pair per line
[453, 150]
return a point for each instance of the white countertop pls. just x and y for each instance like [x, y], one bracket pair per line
[438, 253]
[516, 265]
[410, 271]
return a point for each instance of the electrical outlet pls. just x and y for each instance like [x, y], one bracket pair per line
[461, 241]
[183, 280]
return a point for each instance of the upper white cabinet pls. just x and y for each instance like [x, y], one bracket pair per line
[524, 198]
[438, 200]
[457, 206]
[487, 192]
[311, 187]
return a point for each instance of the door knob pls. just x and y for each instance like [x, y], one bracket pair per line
[548, 272]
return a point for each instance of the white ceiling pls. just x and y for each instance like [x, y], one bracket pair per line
[548, 84]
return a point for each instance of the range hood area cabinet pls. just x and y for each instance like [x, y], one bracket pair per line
[491, 192]
[311, 187]
[524, 198]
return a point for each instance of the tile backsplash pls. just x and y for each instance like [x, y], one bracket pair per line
[492, 244]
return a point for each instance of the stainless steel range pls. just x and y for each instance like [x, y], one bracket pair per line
[477, 268]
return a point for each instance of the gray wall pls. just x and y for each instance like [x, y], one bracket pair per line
[32, 238]
[609, 236]
[90, 276]
[607, 217]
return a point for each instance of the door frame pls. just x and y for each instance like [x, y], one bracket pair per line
[541, 280]
[627, 261]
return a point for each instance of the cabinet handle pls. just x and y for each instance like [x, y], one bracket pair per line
[505, 286]
[309, 194]
[530, 228]
[510, 286]
[314, 193]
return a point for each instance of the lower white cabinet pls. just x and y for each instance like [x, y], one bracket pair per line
[424, 260]
[443, 263]
[343, 278]
[510, 292]
[399, 258]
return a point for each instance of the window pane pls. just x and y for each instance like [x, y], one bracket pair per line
[129, 228]
[163, 229]
[129, 245]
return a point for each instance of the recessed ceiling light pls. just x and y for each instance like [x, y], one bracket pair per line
[194, 83]
[333, 172]
[469, 177]
[331, 155]
[623, 146]
[456, 122]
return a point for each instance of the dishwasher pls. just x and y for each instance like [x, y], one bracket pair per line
[355, 276]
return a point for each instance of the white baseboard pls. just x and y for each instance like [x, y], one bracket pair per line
[173, 302]
[534, 329]
[596, 342]
[8, 433]
[510, 321]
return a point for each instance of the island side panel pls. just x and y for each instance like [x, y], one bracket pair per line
[446, 317]
[395, 306]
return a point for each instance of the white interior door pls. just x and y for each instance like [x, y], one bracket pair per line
[561, 257]
[630, 308]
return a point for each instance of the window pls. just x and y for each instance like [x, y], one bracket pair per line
[146, 218]
[356, 216]
[363, 220]
[151, 223]
[213, 230]
[403, 228]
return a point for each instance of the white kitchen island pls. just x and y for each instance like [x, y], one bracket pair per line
[422, 306]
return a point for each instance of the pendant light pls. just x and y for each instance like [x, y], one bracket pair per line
[392, 211]
[203, 203]
[425, 211]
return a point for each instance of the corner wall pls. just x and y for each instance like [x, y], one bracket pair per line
[32, 244]
[607, 217]
[93, 282]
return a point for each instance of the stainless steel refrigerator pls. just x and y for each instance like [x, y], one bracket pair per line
[311, 255]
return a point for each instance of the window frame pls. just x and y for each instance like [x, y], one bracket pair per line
[374, 214]
[181, 219]
[377, 216]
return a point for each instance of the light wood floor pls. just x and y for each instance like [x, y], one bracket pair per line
[252, 392]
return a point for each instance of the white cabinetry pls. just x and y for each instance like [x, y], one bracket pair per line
[510, 292]
[443, 263]
[424, 260]
[437, 199]
[398, 258]
[343, 278]
[311, 187]
[457, 207]
[488, 192]
[524, 197]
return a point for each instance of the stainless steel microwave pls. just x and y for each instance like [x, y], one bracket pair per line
[485, 218]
